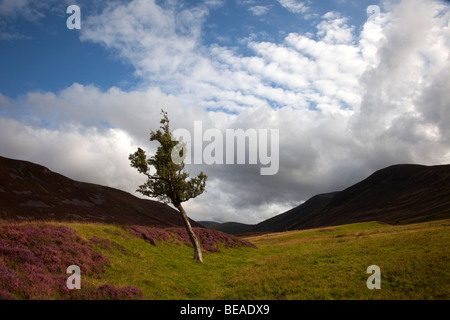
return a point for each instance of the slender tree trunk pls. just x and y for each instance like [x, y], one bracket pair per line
[192, 236]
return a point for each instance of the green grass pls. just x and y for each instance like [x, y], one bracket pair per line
[324, 263]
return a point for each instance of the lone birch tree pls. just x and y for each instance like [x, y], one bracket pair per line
[169, 182]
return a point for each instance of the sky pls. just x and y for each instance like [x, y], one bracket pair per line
[351, 86]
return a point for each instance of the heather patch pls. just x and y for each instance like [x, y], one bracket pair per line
[211, 240]
[109, 245]
[34, 259]
[150, 235]
[109, 292]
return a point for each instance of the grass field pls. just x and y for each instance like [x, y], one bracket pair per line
[326, 263]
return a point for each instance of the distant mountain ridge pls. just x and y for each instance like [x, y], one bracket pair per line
[291, 217]
[29, 191]
[228, 227]
[399, 194]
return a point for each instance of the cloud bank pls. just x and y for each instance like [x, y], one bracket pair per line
[346, 102]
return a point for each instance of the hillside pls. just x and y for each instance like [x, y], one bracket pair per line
[208, 224]
[228, 227]
[30, 191]
[125, 262]
[398, 194]
[303, 212]
[34, 257]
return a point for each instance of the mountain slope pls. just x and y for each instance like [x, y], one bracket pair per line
[228, 227]
[30, 191]
[286, 220]
[398, 194]
[208, 224]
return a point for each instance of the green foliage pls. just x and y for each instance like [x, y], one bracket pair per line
[170, 183]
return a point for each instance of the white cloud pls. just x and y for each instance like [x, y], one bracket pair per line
[32, 10]
[82, 153]
[13, 8]
[214, 76]
[407, 63]
[214, 4]
[345, 104]
[11, 11]
[259, 10]
[157, 41]
[294, 6]
[5, 102]
[335, 31]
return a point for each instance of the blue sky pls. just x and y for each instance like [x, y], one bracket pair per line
[349, 94]
[39, 53]
[44, 55]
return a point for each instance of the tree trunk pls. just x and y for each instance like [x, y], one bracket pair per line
[192, 236]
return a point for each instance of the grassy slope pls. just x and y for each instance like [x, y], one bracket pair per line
[326, 263]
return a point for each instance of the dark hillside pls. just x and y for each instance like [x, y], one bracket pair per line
[398, 194]
[30, 191]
